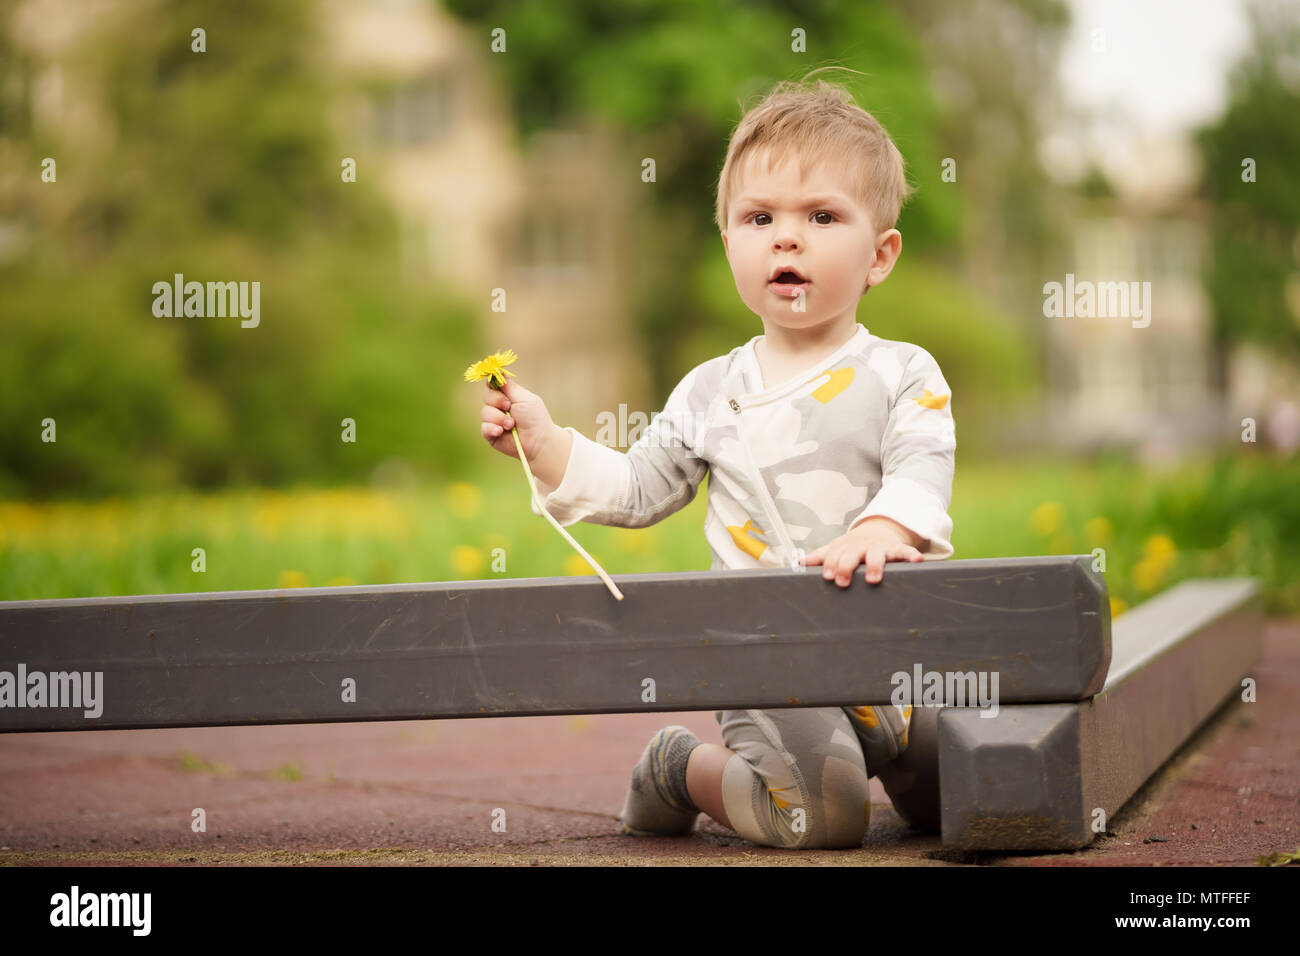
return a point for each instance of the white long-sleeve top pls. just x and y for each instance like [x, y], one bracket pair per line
[866, 431]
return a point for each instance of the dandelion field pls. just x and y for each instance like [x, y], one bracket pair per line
[1228, 517]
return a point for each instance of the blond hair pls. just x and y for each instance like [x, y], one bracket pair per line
[823, 124]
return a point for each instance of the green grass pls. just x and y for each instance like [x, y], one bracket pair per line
[1235, 516]
[195, 764]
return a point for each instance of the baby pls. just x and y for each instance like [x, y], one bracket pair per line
[827, 445]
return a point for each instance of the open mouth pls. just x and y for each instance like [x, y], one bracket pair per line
[787, 282]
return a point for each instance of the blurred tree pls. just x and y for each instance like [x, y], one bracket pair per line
[670, 75]
[1252, 180]
[1095, 184]
[221, 166]
[994, 67]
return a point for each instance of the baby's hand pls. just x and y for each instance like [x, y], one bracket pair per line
[516, 407]
[878, 540]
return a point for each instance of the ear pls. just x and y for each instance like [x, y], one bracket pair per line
[889, 245]
[725, 247]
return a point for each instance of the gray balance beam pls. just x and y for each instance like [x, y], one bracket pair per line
[1050, 776]
[707, 640]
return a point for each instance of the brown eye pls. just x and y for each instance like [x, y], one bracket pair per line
[825, 213]
[755, 218]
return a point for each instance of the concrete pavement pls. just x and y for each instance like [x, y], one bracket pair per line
[428, 792]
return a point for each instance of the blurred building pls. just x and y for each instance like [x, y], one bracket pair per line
[1150, 379]
[546, 225]
[417, 106]
[1113, 378]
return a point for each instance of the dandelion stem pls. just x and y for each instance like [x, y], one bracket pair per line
[532, 484]
[493, 368]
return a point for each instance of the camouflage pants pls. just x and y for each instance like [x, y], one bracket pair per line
[798, 779]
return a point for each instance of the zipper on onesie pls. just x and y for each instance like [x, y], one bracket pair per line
[761, 486]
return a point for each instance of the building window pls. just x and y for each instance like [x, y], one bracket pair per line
[553, 244]
[415, 113]
[1175, 252]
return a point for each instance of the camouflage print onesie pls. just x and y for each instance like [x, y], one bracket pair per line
[866, 431]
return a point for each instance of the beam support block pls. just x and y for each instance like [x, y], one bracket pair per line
[1050, 776]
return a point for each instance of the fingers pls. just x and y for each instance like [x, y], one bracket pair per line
[840, 566]
[495, 423]
[813, 557]
[496, 418]
[875, 564]
[878, 556]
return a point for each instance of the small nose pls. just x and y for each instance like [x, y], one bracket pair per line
[785, 243]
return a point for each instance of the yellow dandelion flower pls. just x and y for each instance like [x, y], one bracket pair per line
[630, 542]
[463, 499]
[293, 579]
[574, 565]
[1097, 532]
[1047, 517]
[467, 561]
[493, 368]
[1160, 547]
[1148, 573]
[269, 519]
[22, 520]
[1117, 607]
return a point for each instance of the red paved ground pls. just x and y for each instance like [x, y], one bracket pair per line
[424, 792]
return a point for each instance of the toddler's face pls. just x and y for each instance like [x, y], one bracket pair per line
[815, 226]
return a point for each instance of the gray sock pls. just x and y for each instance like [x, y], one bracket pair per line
[657, 800]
